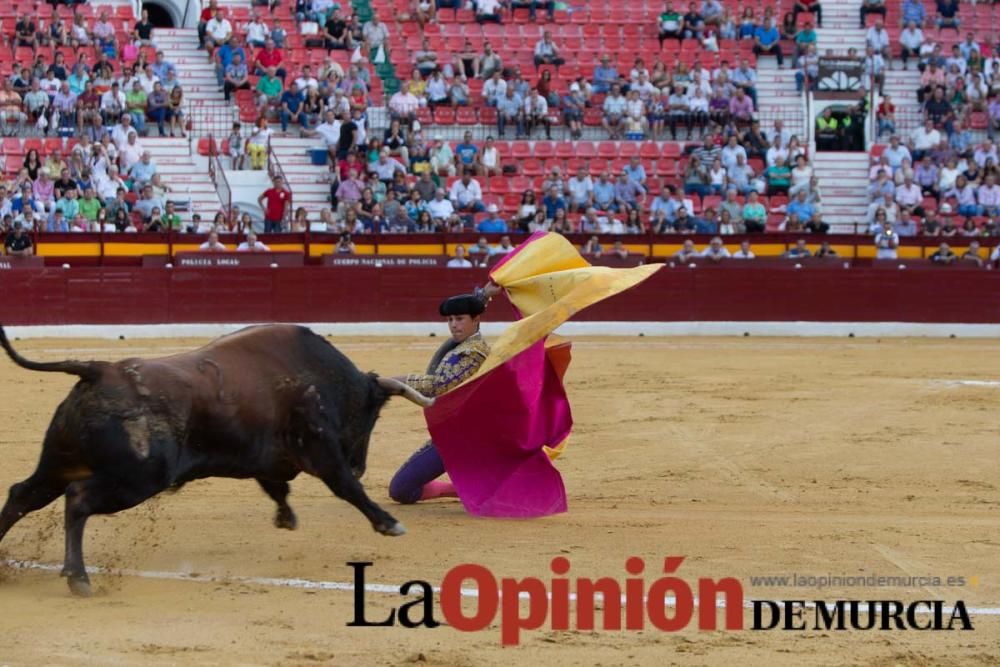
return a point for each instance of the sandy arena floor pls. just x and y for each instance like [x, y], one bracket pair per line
[748, 456]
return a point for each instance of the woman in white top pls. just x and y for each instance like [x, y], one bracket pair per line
[489, 159]
[801, 175]
[795, 149]
[526, 211]
[947, 176]
[717, 177]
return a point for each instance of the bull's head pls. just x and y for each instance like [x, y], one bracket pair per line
[315, 424]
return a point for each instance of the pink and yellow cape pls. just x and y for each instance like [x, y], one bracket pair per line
[499, 430]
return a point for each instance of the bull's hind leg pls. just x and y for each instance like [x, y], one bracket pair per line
[279, 490]
[28, 496]
[96, 495]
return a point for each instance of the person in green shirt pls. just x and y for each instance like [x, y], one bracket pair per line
[170, 219]
[754, 213]
[90, 205]
[803, 38]
[270, 90]
[68, 204]
[671, 24]
[779, 177]
[135, 104]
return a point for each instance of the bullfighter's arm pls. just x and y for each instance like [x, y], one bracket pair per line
[458, 366]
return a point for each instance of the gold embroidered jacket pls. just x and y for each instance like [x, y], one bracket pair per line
[457, 365]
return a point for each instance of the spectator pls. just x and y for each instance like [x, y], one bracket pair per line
[971, 256]
[459, 261]
[489, 63]
[687, 253]
[17, 243]
[911, 39]
[276, 202]
[741, 107]
[767, 41]
[614, 113]
[536, 112]
[269, 89]
[12, 118]
[218, 30]
[442, 211]
[671, 24]
[145, 205]
[799, 250]
[375, 35]
[213, 244]
[947, 15]
[292, 103]
[546, 52]
[142, 172]
[754, 214]
[809, 7]
[268, 59]
[871, 7]
[804, 38]
[886, 115]
[466, 194]
[488, 11]
[252, 244]
[744, 252]
[745, 77]
[944, 255]
[716, 252]
[877, 38]
[873, 70]
[492, 223]
[510, 109]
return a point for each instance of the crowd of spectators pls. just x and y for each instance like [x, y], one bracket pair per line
[82, 79]
[109, 185]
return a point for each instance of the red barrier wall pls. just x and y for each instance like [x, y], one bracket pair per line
[127, 295]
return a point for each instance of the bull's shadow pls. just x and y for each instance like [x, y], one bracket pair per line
[264, 403]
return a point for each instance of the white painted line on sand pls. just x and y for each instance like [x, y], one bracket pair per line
[968, 383]
[311, 584]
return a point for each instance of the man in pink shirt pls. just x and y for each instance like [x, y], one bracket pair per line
[741, 106]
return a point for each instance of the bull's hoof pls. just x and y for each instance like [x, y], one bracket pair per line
[286, 519]
[392, 530]
[79, 586]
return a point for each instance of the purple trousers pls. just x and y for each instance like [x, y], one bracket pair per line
[424, 466]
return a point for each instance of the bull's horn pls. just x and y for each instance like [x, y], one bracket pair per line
[397, 388]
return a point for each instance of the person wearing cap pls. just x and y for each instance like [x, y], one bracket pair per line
[492, 223]
[455, 361]
[573, 105]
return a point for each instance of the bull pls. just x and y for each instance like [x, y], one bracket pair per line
[266, 402]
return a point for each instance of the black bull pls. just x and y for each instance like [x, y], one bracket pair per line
[266, 402]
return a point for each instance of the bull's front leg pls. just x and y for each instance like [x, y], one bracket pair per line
[344, 485]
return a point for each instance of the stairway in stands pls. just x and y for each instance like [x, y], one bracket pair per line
[843, 180]
[186, 176]
[843, 177]
[840, 30]
[306, 180]
[206, 107]
[776, 96]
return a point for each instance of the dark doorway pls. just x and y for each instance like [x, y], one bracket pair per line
[159, 16]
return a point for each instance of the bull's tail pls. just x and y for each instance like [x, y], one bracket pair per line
[86, 370]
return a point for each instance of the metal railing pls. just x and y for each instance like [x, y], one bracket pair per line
[218, 175]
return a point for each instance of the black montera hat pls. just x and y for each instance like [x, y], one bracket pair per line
[463, 304]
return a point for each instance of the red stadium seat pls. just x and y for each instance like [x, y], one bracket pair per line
[520, 150]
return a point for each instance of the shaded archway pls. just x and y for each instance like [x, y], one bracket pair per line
[159, 16]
